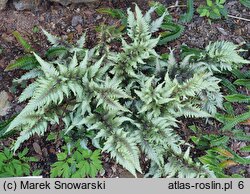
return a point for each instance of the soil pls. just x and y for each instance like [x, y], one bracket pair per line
[70, 22]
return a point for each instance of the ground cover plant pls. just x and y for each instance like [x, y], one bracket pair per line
[130, 103]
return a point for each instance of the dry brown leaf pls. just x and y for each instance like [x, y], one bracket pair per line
[247, 122]
[4, 103]
[37, 148]
[227, 163]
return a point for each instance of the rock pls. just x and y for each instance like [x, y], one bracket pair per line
[76, 20]
[26, 4]
[3, 4]
[67, 2]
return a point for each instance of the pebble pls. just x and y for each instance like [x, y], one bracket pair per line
[76, 20]
[18, 108]
[222, 31]
[98, 17]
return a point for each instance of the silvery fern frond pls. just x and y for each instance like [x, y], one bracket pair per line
[123, 147]
[223, 55]
[140, 29]
[51, 38]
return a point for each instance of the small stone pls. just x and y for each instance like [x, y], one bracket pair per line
[67, 2]
[26, 4]
[236, 169]
[98, 17]
[18, 108]
[52, 25]
[2, 65]
[78, 10]
[222, 31]
[76, 20]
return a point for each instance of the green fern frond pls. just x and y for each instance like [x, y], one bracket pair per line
[243, 82]
[26, 62]
[56, 52]
[187, 17]
[236, 120]
[171, 32]
[240, 98]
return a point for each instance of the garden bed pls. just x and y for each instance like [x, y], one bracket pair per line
[70, 23]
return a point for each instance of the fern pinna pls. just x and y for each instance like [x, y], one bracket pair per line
[132, 100]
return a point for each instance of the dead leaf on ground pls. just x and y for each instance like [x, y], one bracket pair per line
[247, 122]
[37, 148]
[4, 103]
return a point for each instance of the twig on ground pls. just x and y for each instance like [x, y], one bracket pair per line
[240, 18]
[173, 6]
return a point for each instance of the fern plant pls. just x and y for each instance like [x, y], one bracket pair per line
[230, 119]
[218, 156]
[187, 17]
[131, 99]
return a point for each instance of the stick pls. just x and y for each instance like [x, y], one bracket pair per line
[240, 18]
[173, 6]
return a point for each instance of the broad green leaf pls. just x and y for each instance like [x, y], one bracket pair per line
[61, 156]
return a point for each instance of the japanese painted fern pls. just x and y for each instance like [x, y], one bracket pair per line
[131, 100]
